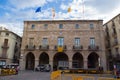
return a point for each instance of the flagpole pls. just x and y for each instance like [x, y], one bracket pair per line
[53, 13]
[83, 8]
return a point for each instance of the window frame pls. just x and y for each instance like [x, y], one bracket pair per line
[77, 26]
[32, 26]
[60, 41]
[45, 41]
[92, 41]
[77, 41]
[91, 25]
[45, 26]
[60, 26]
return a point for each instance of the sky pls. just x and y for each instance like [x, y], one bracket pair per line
[13, 13]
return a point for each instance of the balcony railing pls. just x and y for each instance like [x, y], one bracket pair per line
[64, 47]
[115, 42]
[114, 34]
[5, 46]
[107, 46]
[93, 47]
[77, 48]
[30, 47]
[117, 56]
[43, 47]
[3, 56]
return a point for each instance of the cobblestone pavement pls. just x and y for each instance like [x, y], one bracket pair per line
[31, 75]
[28, 75]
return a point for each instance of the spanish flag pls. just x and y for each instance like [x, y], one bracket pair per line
[69, 9]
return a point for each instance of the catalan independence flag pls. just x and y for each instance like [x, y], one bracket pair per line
[38, 9]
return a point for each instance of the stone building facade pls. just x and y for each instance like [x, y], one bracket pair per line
[112, 40]
[10, 44]
[67, 43]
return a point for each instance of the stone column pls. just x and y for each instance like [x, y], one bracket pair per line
[85, 63]
[103, 62]
[70, 63]
[51, 63]
[36, 63]
[22, 63]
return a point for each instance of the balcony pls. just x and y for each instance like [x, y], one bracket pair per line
[114, 34]
[77, 48]
[30, 47]
[107, 46]
[3, 56]
[44, 47]
[60, 48]
[115, 43]
[5, 46]
[93, 47]
[117, 56]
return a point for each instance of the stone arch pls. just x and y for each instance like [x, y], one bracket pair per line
[93, 61]
[60, 58]
[44, 58]
[77, 60]
[30, 61]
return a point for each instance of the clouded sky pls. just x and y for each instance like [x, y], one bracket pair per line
[14, 12]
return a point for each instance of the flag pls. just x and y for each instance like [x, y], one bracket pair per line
[69, 9]
[53, 12]
[38, 9]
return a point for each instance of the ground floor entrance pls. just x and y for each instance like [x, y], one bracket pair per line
[62, 60]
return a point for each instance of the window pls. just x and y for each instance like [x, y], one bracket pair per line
[92, 41]
[109, 51]
[91, 26]
[33, 26]
[60, 41]
[60, 26]
[7, 34]
[2, 62]
[45, 26]
[5, 42]
[77, 26]
[31, 41]
[114, 31]
[77, 41]
[116, 49]
[45, 41]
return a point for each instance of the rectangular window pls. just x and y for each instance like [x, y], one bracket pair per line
[45, 26]
[77, 41]
[116, 49]
[91, 26]
[60, 26]
[45, 41]
[5, 42]
[92, 41]
[77, 26]
[7, 34]
[60, 41]
[2, 62]
[31, 40]
[33, 26]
